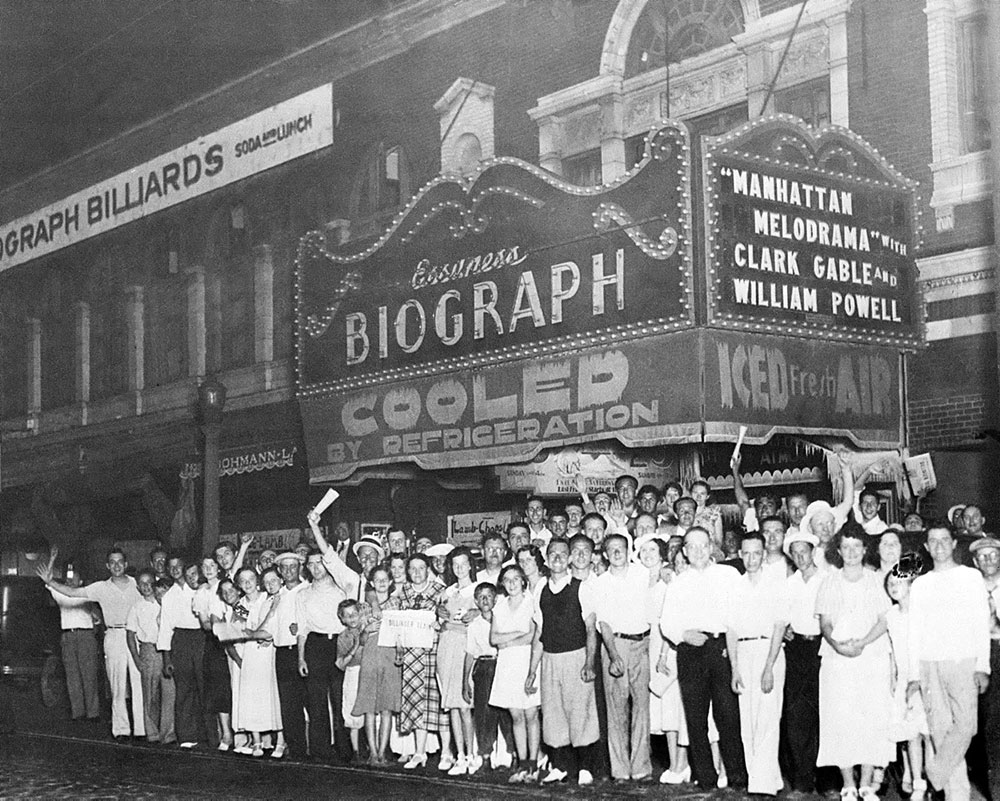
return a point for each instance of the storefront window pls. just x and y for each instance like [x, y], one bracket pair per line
[972, 84]
[673, 30]
[808, 101]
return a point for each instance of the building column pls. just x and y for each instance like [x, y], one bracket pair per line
[839, 92]
[82, 360]
[263, 300]
[135, 306]
[196, 324]
[34, 368]
[550, 144]
[612, 137]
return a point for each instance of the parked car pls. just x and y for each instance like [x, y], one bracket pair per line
[29, 627]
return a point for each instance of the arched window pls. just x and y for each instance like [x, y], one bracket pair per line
[669, 31]
[469, 152]
[381, 187]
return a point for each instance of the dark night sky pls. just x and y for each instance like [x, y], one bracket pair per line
[74, 73]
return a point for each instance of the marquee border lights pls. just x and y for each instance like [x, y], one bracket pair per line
[817, 147]
[667, 139]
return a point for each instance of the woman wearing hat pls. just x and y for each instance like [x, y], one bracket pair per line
[854, 690]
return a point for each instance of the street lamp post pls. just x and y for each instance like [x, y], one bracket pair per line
[211, 402]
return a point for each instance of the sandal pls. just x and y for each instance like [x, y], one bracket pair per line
[867, 793]
[849, 794]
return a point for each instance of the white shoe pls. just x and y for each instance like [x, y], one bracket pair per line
[676, 777]
[243, 749]
[554, 775]
[723, 781]
[416, 761]
[475, 763]
[188, 745]
[585, 779]
[446, 762]
[460, 768]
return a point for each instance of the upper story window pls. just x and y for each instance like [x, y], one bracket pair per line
[973, 68]
[583, 169]
[673, 30]
[382, 185]
[809, 101]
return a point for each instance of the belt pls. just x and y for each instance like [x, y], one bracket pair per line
[121, 626]
[713, 635]
[486, 659]
[806, 637]
[284, 647]
[81, 628]
[632, 637]
[751, 639]
[321, 634]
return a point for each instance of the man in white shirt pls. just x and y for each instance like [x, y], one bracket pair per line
[538, 532]
[866, 513]
[291, 685]
[142, 627]
[776, 566]
[800, 713]
[494, 550]
[116, 596]
[79, 649]
[318, 627]
[697, 611]
[949, 640]
[621, 616]
[754, 642]
[986, 554]
[182, 642]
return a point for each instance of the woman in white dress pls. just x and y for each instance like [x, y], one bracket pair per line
[665, 713]
[511, 632]
[854, 679]
[259, 706]
[231, 597]
[455, 611]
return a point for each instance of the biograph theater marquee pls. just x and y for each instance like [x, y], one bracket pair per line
[511, 312]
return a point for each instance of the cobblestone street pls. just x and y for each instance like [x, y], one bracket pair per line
[47, 756]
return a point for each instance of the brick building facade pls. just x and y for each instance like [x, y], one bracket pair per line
[103, 343]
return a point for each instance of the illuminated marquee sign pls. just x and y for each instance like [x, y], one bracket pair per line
[511, 412]
[264, 140]
[809, 234]
[513, 262]
[791, 385]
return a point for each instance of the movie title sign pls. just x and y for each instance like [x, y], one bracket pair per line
[809, 234]
[510, 263]
[264, 140]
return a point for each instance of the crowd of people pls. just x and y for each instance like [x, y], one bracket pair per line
[809, 648]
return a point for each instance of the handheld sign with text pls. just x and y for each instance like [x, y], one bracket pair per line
[409, 629]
